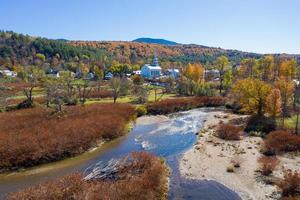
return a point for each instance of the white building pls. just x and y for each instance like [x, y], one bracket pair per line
[151, 71]
[174, 73]
[9, 73]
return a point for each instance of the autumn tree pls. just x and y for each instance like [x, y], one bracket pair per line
[222, 64]
[249, 66]
[252, 95]
[273, 105]
[266, 67]
[288, 69]
[33, 75]
[286, 88]
[83, 89]
[69, 85]
[193, 75]
[55, 93]
[119, 86]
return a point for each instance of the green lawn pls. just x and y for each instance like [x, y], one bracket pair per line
[130, 98]
[289, 122]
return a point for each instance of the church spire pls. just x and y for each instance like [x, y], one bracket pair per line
[155, 60]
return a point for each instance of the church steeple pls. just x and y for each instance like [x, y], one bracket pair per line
[155, 60]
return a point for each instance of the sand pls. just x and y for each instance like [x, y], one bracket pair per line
[210, 157]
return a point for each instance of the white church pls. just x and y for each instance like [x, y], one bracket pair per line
[151, 71]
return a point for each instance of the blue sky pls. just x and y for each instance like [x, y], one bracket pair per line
[262, 26]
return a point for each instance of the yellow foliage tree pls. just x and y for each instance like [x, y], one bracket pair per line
[251, 94]
[286, 88]
[266, 67]
[222, 64]
[194, 72]
[288, 69]
[273, 105]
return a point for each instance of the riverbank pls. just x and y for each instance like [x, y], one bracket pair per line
[38, 136]
[134, 176]
[210, 157]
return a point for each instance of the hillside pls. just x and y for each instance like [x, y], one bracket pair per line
[155, 41]
[22, 49]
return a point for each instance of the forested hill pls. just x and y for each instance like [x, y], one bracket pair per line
[23, 49]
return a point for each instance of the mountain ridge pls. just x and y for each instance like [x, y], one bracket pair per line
[155, 41]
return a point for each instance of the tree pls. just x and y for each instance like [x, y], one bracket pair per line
[250, 67]
[119, 86]
[41, 57]
[274, 103]
[119, 69]
[34, 76]
[55, 93]
[193, 75]
[69, 86]
[227, 79]
[252, 95]
[266, 66]
[286, 88]
[288, 69]
[194, 72]
[83, 90]
[222, 64]
[4, 95]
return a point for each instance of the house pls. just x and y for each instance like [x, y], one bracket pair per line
[174, 73]
[90, 76]
[212, 74]
[137, 72]
[108, 76]
[151, 71]
[7, 72]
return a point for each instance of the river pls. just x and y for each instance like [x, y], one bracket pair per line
[166, 136]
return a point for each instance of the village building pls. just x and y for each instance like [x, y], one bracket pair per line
[8, 73]
[212, 74]
[174, 73]
[151, 71]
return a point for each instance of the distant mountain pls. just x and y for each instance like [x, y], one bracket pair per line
[155, 41]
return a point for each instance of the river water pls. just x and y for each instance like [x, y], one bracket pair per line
[166, 136]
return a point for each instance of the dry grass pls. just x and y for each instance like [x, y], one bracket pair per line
[32, 136]
[144, 178]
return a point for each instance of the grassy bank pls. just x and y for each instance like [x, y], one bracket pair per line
[141, 176]
[33, 136]
[185, 103]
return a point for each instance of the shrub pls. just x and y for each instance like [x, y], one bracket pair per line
[268, 164]
[230, 169]
[141, 110]
[229, 132]
[282, 141]
[174, 105]
[144, 177]
[33, 136]
[290, 185]
[260, 124]
[100, 94]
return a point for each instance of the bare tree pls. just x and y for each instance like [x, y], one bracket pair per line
[83, 90]
[55, 93]
[119, 86]
[33, 76]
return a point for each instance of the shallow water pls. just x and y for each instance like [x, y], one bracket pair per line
[168, 137]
